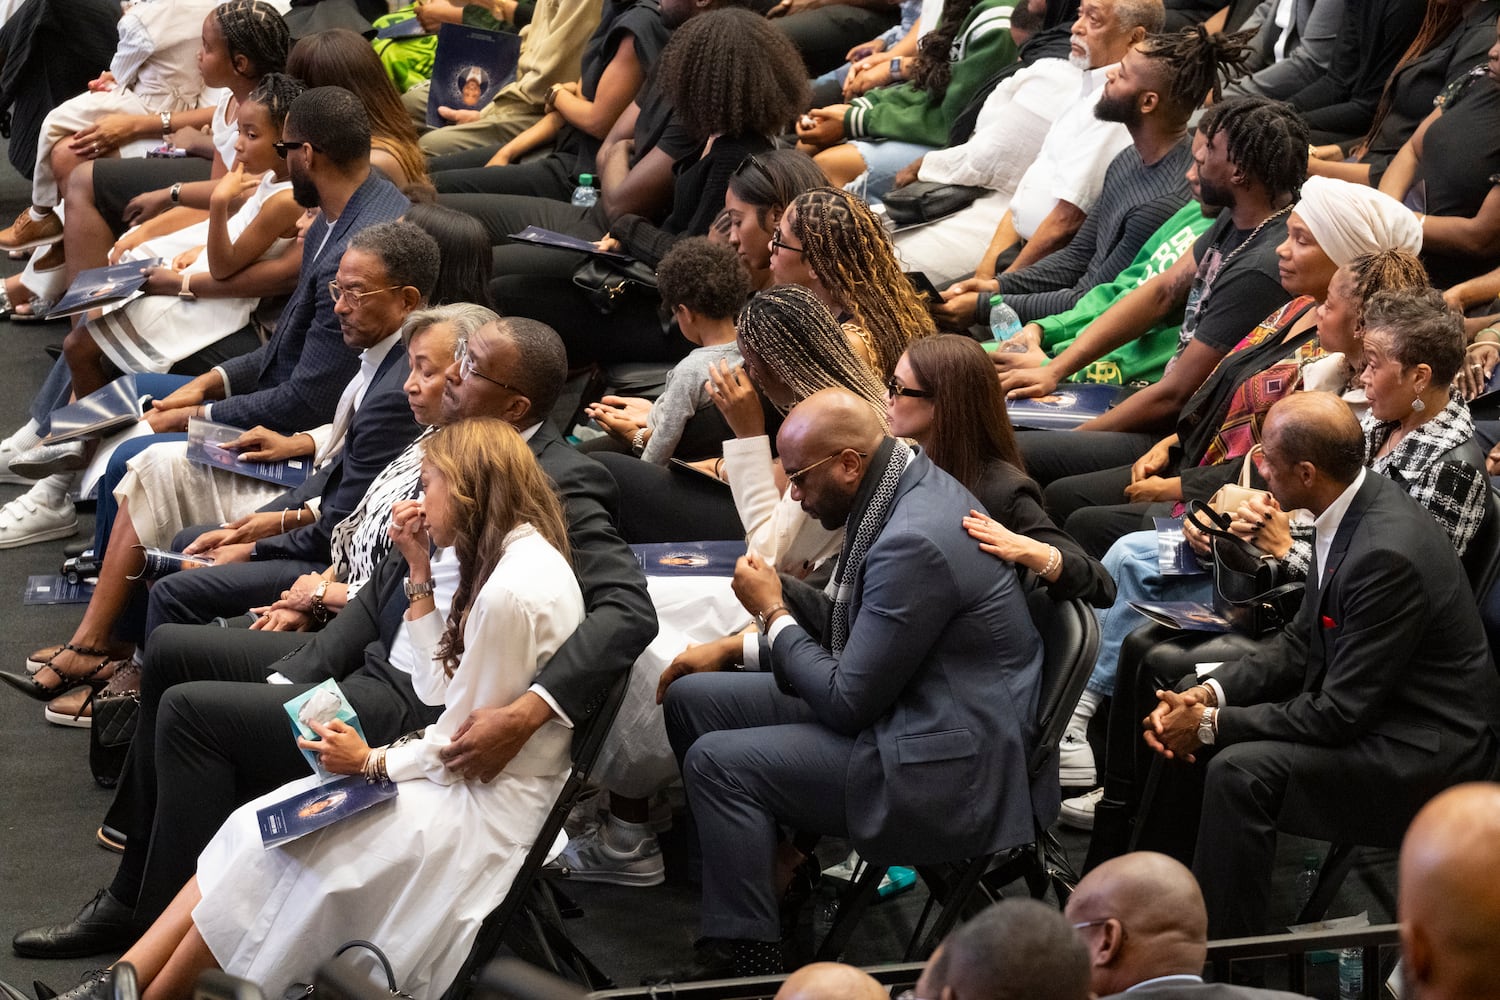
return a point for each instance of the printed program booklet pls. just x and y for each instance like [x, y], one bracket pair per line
[1069, 405]
[104, 286]
[207, 446]
[53, 588]
[562, 241]
[157, 563]
[1190, 616]
[689, 558]
[1174, 556]
[117, 404]
[470, 68]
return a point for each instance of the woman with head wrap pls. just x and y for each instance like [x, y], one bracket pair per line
[1331, 224]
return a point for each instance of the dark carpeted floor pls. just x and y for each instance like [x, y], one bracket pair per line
[49, 806]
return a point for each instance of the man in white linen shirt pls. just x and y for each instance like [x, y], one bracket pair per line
[1036, 145]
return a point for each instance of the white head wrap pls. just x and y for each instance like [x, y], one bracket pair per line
[1352, 219]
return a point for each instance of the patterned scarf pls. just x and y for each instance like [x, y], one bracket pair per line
[872, 505]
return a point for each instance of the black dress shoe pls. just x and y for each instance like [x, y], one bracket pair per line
[713, 958]
[103, 925]
[95, 985]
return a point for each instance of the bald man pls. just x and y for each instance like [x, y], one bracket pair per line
[896, 713]
[1450, 897]
[1379, 694]
[1142, 918]
[831, 981]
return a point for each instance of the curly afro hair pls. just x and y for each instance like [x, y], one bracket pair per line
[733, 73]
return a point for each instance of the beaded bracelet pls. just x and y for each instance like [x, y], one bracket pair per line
[1054, 560]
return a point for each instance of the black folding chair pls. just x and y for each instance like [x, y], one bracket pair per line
[529, 918]
[1070, 644]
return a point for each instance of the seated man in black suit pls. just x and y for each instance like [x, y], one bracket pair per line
[1378, 695]
[898, 713]
[216, 744]
[1142, 919]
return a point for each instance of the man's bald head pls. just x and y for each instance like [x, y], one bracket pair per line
[1449, 896]
[1312, 449]
[825, 446]
[830, 981]
[1148, 920]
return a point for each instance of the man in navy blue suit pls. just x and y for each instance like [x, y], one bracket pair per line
[897, 710]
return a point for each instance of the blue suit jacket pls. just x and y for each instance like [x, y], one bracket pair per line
[938, 685]
[293, 380]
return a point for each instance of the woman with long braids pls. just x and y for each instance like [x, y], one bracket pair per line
[792, 348]
[417, 875]
[830, 242]
[241, 41]
[759, 190]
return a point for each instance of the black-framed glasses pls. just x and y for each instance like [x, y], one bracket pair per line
[753, 163]
[777, 244]
[795, 478]
[894, 388]
[466, 368]
[285, 146]
[355, 298]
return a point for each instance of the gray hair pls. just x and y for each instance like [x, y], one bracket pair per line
[409, 254]
[464, 317]
[1148, 14]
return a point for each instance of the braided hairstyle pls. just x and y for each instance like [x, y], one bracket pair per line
[1394, 271]
[851, 253]
[934, 66]
[275, 93]
[789, 332]
[733, 73]
[1264, 138]
[1197, 64]
[253, 29]
[1438, 21]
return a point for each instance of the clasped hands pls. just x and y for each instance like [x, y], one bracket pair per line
[1172, 727]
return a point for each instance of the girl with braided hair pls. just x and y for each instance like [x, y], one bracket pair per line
[239, 42]
[831, 243]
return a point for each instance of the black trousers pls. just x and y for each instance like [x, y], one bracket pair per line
[116, 181]
[825, 35]
[466, 173]
[197, 597]
[1053, 455]
[213, 735]
[668, 505]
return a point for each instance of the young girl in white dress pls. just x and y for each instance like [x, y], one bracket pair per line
[417, 875]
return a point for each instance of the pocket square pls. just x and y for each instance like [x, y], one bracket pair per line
[1329, 622]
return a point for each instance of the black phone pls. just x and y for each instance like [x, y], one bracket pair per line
[922, 283]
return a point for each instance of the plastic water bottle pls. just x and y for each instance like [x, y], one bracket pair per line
[1307, 879]
[1351, 973]
[585, 194]
[1004, 326]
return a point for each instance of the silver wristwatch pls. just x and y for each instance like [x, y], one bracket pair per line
[1206, 732]
[416, 590]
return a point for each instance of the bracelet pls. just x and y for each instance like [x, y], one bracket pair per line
[374, 768]
[719, 469]
[638, 441]
[186, 292]
[174, 193]
[1482, 332]
[1054, 560]
[283, 522]
[1210, 698]
[166, 124]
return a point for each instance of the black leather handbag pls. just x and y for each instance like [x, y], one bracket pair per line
[1251, 589]
[928, 201]
[110, 734]
[345, 983]
[607, 282]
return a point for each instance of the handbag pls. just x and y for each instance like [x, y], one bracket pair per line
[1252, 590]
[928, 201]
[1227, 498]
[110, 734]
[296, 991]
[606, 281]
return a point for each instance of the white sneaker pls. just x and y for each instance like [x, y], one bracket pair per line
[1079, 812]
[1075, 761]
[8, 452]
[592, 858]
[23, 521]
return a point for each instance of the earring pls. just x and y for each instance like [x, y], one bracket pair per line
[1417, 406]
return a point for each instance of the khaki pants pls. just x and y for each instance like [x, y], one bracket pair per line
[498, 123]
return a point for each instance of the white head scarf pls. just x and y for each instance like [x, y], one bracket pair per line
[1352, 219]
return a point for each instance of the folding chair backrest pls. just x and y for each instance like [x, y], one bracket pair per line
[1070, 644]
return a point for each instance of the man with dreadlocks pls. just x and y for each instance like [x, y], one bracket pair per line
[1248, 173]
[903, 699]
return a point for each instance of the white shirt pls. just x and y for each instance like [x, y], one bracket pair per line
[1010, 129]
[1070, 165]
[329, 438]
[1184, 979]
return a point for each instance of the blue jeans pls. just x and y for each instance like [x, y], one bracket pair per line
[1132, 561]
[884, 159]
[156, 386]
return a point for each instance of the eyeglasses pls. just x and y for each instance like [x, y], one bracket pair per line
[466, 368]
[795, 478]
[355, 298]
[894, 388]
[908, 995]
[776, 244]
[1091, 923]
[755, 164]
[287, 145]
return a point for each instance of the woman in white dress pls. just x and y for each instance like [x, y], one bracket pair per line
[415, 876]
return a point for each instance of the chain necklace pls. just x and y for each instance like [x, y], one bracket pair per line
[1253, 233]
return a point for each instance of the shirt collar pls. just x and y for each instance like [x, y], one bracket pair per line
[371, 357]
[1094, 78]
[1181, 979]
[1327, 523]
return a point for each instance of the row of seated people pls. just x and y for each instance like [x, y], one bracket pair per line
[841, 421]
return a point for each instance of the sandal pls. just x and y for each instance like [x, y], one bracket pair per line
[42, 658]
[36, 311]
[95, 678]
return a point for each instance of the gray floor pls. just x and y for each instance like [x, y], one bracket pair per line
[49, 806]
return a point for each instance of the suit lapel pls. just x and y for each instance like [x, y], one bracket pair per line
[1320, 623]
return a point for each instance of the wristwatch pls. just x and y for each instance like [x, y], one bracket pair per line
[896, 68]
[319, 609]
[187, 288]
[416, 590]
[166, 124]
[174, 193]
[763, 618]
[1206, 729]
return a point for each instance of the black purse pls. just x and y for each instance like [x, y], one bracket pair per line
[296, 991]
[928, 201]
[1251, 589]
[606, 282]
[110, 734]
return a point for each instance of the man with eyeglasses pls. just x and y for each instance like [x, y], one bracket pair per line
[895, 710]
[224, 738]
[1142, 918]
